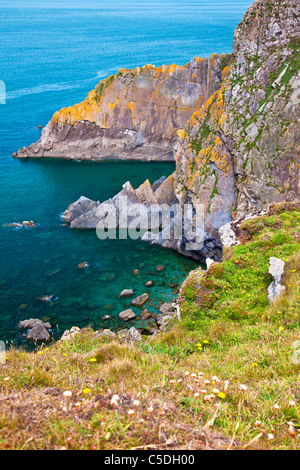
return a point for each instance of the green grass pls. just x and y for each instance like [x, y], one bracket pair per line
[226, 376]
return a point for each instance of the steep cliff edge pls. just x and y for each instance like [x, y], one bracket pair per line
[239, 151]
[134, 114]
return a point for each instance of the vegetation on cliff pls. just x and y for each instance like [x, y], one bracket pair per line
[226, 376]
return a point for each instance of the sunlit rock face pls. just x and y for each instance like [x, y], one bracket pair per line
[240, 151]
[134, 114]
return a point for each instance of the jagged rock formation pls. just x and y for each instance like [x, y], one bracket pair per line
[238, 152]
[134, 114]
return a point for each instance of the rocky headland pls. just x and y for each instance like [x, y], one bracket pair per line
[231, 123]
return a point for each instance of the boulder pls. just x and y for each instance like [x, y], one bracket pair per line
[127, 315]
[167, 309]
[276, 288]
[127, 293]
[133, 335]
[37, 330]
[145, 314]
[69, 334]
[140, 300]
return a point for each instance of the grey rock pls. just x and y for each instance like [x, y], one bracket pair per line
[127, 293]
[133, 335]
[140, 300]
[38, 331]
[127, 315]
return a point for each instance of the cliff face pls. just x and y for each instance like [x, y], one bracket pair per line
[240, 151]
[134, 114]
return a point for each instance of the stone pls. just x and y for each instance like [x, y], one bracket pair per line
[37, 330]
[167, 308]
[68, 335]
[140, 300]
[127, 293]
[276, 288]
[46, 298]
[83, 265]
[150, 284]
[145, 314]
[106, 333]
[127, 315]
[160, 268]
[133, 335]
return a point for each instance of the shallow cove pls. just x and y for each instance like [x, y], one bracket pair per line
[44, 260]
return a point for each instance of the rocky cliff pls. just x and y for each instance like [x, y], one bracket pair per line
[134, 114]
[240, 151]
[236, 118]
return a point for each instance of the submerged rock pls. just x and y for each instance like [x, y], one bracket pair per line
[126, 293]
[83, 265]
[140, 300]
[37, 330]
[127, 315]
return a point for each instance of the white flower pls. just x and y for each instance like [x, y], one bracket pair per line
[67, 394]
[243, 387]
[136, 403]
[130, 412]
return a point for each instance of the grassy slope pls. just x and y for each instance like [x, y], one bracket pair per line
[229, 333]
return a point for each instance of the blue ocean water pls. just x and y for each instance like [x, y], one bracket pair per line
[51, 55]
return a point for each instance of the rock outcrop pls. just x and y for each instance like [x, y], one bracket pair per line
[134, 114]
[37, 330]
[240, 151]
[237, 121]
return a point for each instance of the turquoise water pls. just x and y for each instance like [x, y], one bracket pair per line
[52, 56]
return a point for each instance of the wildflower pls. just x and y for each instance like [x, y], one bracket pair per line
[243, 388]
[186, 373]
[205, 341]
[203, 392]
[130, 412]
[179, 381]
[200, 374]
[107, 436]
[77, 404]
[254, 364]
[150, 409]
[193, 375]
[64, 354]
[221, 395]
[93, 359]
[281, 328]
[136, 403]
[114, 400]
[196, 395]
[87, 391]
[270, 436]
[216, 391]
[215, 379]
[172, 382]
[292, 403]
[41, 352]
[6, 379]
[207, 381]
[276, 407]
[67, 394]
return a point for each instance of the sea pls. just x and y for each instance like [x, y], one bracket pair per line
[51, 55]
